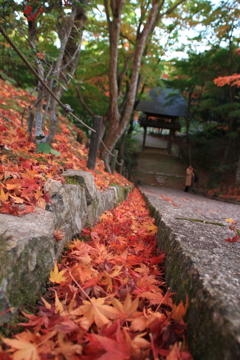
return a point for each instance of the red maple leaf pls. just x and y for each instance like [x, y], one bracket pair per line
[236, 238]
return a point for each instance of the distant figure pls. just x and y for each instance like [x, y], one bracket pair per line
[195, 177]
[189, 177]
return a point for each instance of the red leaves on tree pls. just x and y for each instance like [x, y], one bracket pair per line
[108, 298]
[233, 80]
[31, 13]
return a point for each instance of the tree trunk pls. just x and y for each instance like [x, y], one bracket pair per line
[69, 28]
[118, 122]
[238, 172]
[230, 122]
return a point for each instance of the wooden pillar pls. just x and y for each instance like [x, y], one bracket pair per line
[94, 142]
[170, 140]
[144, 136]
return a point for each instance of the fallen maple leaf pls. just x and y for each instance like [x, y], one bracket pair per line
[57, 276]
[3, 195]
[24, 350]
[179, 311]
[67, 350]
[231, 221]
[128, 309]
[58, 235]
[236, 238]
[148, 317]
[176, 353]
[153, 229]
[119, 349]
[35, 321]
[97, 312]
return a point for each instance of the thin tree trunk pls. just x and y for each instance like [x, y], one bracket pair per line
[238, 172]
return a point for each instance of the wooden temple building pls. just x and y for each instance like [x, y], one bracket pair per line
[162, 111]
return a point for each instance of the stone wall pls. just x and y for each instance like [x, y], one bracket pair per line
[201, 266]
[28, 248]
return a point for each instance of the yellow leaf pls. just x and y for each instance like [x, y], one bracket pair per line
[58, 305]
[152, 229]
[57, 276]
[3, 195]
[48, 306]
[231, 221]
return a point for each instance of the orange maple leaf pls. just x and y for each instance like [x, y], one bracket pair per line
[128, 308]
[58, 235]
[97, 312]
[22, 349]
[179, 311]
[3, 195]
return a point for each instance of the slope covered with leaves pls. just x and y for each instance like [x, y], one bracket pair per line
[107, 298]
[24, 169]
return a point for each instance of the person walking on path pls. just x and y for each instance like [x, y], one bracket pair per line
[189, 177]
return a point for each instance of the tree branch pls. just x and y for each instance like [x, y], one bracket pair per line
[83, 102]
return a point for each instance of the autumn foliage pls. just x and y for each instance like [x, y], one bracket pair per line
[107, 298]
[233, 80]
[24, 170]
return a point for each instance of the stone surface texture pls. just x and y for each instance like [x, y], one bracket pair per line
[202, 265]
[28, 248]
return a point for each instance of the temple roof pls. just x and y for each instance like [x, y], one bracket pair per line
[163, 102]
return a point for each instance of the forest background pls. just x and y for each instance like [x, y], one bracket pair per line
[101, 57]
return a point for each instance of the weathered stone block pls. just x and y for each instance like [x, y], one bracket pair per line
[201, 265]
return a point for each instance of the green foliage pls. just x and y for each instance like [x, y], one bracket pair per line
[46, 149]
[131, 150]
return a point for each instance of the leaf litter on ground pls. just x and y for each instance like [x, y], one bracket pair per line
[107, 298]
[25, 167]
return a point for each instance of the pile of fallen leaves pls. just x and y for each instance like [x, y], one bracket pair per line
[23, 170]
[232, 193]
[107, 300]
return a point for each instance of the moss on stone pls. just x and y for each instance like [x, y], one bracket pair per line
[72, 180]
[5, 259]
